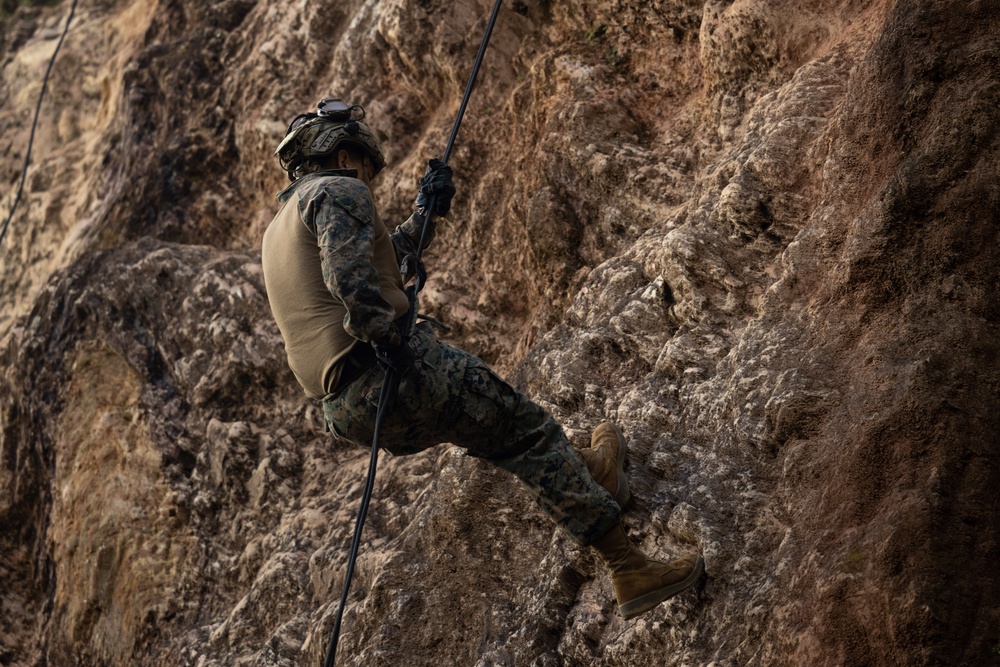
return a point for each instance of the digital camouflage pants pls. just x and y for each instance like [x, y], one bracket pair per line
[452, 396]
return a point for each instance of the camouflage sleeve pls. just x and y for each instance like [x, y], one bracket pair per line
[341, 218]
[407, 236]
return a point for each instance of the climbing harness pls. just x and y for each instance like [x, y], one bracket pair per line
[411, 265]
[38, 108]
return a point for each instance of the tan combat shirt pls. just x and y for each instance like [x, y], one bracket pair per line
[331, 272]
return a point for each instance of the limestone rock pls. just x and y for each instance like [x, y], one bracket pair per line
[760, 236]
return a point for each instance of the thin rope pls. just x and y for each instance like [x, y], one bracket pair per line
[38, 108]
[472, 81]
[458, 124]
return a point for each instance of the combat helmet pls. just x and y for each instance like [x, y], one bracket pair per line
[316, 135]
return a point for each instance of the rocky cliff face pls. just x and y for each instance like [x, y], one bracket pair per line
[760, 235]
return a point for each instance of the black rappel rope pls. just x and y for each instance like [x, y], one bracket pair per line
[412, 265]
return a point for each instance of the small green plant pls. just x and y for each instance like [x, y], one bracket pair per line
[613, 58]
[854, 562]
[596, 32]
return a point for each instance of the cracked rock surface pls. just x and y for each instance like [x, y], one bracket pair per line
[761, 237]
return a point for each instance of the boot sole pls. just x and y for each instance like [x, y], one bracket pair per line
[624, 493]
[644, 603]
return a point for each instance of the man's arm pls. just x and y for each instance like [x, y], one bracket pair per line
[341, 218]
[407, 236]
[437, 189]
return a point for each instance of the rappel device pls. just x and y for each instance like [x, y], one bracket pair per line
[412, 265]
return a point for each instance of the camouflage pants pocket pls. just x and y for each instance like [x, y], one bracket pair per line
[425, 389]
[350, 416]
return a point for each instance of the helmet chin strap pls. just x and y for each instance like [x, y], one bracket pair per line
[293, 167]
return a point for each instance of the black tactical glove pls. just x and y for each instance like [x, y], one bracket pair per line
[436, 183]
[394, 352]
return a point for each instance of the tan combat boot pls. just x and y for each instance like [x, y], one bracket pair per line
[641, 583]
[606, 461]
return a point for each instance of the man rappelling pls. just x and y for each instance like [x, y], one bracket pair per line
[331, 269]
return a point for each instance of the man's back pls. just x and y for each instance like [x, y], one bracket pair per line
[332, 215]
